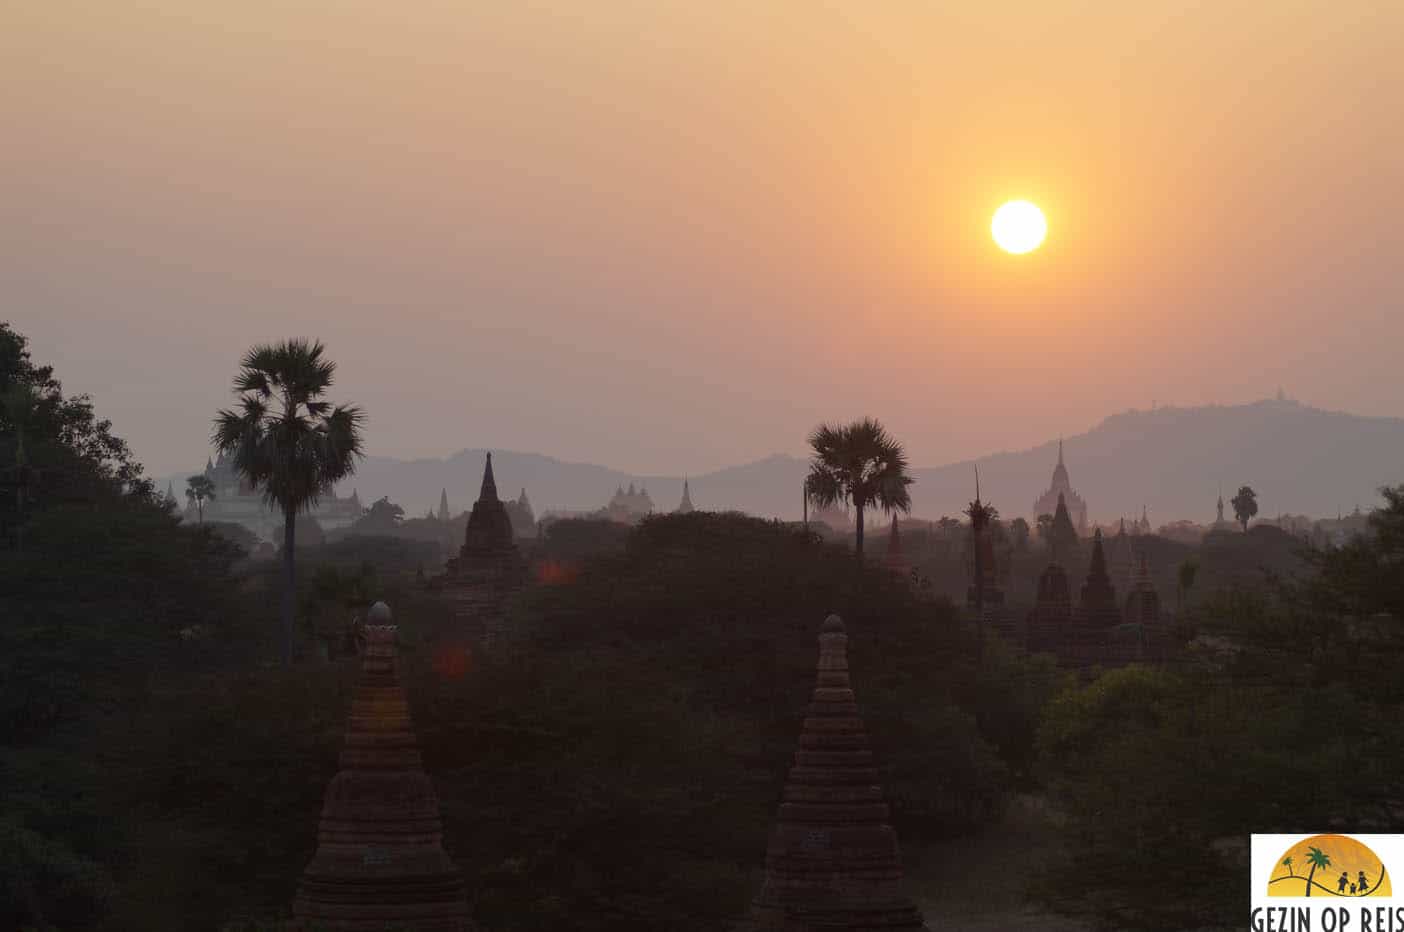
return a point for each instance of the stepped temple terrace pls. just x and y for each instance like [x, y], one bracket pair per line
[380, 861]
[833, 864]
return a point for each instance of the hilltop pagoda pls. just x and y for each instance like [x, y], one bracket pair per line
[833, 863]
[685, 506]
[380, 861]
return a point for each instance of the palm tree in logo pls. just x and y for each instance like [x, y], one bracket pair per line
[1287, 863]
[1317, 858]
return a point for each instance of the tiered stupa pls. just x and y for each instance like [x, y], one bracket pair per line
[895, 560]
[1121, 564]
[833, 863]
[380, 861]
[1143, 602]
[1062, 536]
[1098, 608]
[685, 506]
[1050, 623]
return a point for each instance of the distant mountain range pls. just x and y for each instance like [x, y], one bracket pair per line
[1171, 460]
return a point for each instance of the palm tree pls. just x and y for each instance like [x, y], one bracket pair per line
[285, 439]
[980, 514]
[858, 463]
[1287, 863]
[1245, 506]
[1317, 858]
[198, 490]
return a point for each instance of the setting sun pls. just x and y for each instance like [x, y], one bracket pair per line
[1018, 227]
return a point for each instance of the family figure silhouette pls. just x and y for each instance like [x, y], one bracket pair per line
[1359, 888]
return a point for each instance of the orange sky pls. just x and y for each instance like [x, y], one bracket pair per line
[672, 236]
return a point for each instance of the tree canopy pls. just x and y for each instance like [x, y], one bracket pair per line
[858, 463]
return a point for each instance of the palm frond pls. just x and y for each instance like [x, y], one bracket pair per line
[824, 487]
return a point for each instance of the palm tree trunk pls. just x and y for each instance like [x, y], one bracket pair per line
[1308, 879]
[859, 540]
[979, 594]
[289, 584]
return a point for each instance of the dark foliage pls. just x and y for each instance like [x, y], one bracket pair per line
[616, 764]
[1289, 714]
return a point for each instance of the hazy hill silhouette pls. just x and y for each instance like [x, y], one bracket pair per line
[1171, 459]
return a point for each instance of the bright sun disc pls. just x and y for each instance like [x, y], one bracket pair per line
[1019, 227]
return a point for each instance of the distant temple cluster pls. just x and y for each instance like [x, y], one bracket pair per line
[1110, 616]
[235, 501]
[627, 506]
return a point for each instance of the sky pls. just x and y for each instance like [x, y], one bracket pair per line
[672, 236]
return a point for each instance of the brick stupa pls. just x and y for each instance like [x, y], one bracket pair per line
[489, 552]
[1098, 608]
[1143, 602]
[1049, 625]
[895, 560]
[380, 861]
[833, 863]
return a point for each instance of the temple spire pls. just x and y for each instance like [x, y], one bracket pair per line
[489, 490]
[1060, 451]
[443, 505]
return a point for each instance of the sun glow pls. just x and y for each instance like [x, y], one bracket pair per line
[1018, 227]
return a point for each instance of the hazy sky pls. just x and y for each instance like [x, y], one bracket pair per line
[669, 236]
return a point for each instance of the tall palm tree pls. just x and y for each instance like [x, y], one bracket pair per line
[858, 463]
[980, 514]
[1317, 858]
[288, 441]
[198, 490]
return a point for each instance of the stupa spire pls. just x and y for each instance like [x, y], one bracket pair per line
[443, 505]
[833, 860]
[489, 489]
